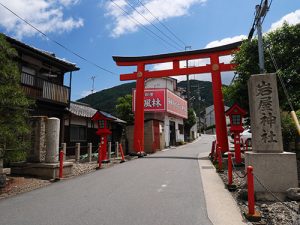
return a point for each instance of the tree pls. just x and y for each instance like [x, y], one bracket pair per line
[13, 102]
[284, 44]
[190, 121]
[124, 109]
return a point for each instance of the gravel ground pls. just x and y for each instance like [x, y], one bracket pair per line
[20, 184]
[273, 213]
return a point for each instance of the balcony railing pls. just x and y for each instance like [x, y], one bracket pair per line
[39, 88]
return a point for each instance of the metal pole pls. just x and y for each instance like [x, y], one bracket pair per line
[187, 80]
[260, 46]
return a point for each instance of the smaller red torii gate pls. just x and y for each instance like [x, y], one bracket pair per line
[215, 68]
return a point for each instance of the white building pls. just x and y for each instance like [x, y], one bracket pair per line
[210, 117]
[172, 120]
[165, 111]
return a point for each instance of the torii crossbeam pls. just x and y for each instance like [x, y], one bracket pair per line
[215, 68]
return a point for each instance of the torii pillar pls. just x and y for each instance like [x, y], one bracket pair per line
[215, 68]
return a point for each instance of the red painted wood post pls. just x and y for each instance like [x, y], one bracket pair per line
[99, 156]
[212, 152]
[237, 149]
[219, 153]
[122, 153]
[216, 152]
[139, 110]
[251, 200]
[221, 128]
[229, 169]
[61, 163]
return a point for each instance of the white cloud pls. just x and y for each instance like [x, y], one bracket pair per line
[225, 41]
[291, 18]
[48, 16]
[69, 2]
[162, 9]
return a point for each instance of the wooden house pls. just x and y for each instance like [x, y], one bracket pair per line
[42, 79]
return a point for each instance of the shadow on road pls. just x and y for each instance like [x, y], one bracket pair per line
[176, 157]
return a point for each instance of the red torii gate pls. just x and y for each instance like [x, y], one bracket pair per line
[215, 68]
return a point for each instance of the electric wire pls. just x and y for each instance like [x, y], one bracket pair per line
[140, 24]
[165, 26]
[163, 33]
[56, 42]
[280, 78]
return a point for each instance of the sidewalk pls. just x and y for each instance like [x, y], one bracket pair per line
[221, 207]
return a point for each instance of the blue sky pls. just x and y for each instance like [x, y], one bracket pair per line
[98, 29]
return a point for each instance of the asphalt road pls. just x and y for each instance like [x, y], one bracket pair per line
[161, 189]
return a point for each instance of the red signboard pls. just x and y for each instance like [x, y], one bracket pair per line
[176, 105]
[163, 100]
[154, 100]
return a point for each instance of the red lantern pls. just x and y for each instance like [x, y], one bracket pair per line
[236, 114]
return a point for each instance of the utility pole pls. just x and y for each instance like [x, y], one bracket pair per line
[187, 79]
[93, 79]
[200, 100]
[261, 11]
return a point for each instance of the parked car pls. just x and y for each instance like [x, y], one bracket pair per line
[246, 137]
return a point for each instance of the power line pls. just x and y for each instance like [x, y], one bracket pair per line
[153, 25]
[280, 78]
[56, 42]
[140, 24]
[171, 32]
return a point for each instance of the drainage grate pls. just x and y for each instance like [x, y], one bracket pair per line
[207, 167]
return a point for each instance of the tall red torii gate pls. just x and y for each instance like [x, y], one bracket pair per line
[215, 68]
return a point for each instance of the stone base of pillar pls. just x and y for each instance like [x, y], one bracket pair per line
[42, 170]
[276, 171]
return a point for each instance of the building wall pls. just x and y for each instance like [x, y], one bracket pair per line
[210, 116]
[148, 137]
[161, 83]
[179, 137]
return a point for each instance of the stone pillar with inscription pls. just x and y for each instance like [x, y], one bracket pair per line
[273, 168]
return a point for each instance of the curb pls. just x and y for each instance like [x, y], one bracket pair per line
[221, 207]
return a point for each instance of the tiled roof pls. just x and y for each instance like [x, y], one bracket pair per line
[81, 109]
[85, 110]
[18, 44]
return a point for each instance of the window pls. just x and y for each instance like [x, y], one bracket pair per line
[236, 119]
[180, 128]
[101, 124]
[77, 133]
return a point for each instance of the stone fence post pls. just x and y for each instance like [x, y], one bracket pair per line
[77, 152]
[109, 151]
[90, 147]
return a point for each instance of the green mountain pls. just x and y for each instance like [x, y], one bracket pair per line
[105, 100]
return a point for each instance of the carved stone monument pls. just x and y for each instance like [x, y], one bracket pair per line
[42, 159]
[37, 151]
[274, 168]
